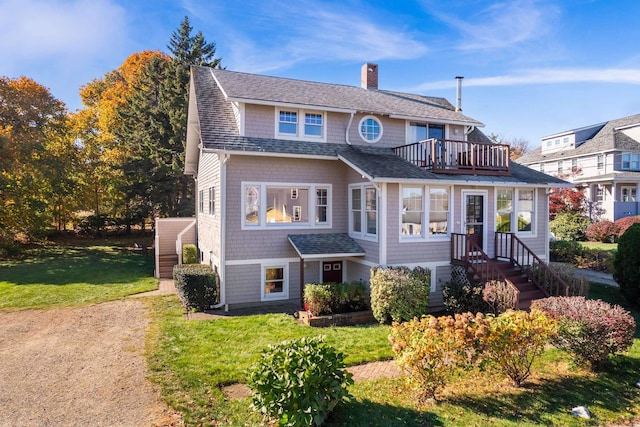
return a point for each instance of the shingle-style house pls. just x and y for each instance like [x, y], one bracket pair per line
[300, 182]
[603, 158]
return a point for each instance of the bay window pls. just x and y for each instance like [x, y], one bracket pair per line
[504, 211]
[422, 205]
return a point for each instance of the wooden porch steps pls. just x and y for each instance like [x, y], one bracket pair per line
[528, 290]
[166, 264]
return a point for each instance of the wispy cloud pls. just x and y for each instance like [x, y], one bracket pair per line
[545, 76]
[55, 31]
[484, 25]
[305, 31]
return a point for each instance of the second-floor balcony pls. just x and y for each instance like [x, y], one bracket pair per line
[457, 157]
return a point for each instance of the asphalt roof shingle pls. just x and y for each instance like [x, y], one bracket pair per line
[310, 245]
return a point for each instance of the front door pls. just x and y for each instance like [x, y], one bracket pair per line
[332, 271]
[474, 217]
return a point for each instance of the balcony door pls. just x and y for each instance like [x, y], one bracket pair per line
[475, 217]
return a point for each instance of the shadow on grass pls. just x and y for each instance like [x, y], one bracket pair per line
[368, 413]
[70, 265]
[611, 390]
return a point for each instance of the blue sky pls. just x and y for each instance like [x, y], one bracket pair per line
[531, 68]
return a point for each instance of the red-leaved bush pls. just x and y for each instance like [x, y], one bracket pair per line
[623, 223]
[602, 231]
[590, 330]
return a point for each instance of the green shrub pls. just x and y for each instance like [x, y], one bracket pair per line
[627, 264]
[431, 349]
[196, 286]
[399, 294]
[299, 382]
[331, 298]
[569, 226]
[590, 330]
[515, 339]
[189, 254]
[565, 251]
[462, 297]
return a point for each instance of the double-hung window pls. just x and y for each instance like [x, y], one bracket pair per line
[504, 211]
[424, 212]
[201, 201]
[212, 200]
[526, 210]
[630, 161]
[282, 205]
[363, 206]
[628, 194]
[275, 282]
[600, 161]
[300, 124]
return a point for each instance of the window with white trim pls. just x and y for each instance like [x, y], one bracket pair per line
[629, 193]
[600, 193]
[212, 200]
[412, 211]
[289, 126]
[282, 205]
[275, 282]
[504, 210]
[526, 210]
[600, 161]
[201, 201]
[630, 161]
[574, 165]
[438, 211]
[363, 203]
[370, 129]
[559, 167]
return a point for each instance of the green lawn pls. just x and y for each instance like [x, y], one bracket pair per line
[609, 247]
[191, 360]
[60, 276]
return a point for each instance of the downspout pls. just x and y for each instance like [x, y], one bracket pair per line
[223, 233]
[346, 136]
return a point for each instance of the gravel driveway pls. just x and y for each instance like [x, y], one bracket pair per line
[78, 367]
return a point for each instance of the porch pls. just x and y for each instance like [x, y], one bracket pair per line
[527, 276]
[457, 157]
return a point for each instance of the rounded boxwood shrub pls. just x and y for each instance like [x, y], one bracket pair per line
[627, 264]
[590, 330]
[299, 382]
[398, 293]
[189, 254]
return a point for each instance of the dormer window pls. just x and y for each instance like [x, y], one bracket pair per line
[300, 124]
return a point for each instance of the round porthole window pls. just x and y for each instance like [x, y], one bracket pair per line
[370, 129]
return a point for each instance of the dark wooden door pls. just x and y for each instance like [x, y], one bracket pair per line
[474, 217]
[332, 271]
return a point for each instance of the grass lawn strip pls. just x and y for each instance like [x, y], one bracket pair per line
[191, 360]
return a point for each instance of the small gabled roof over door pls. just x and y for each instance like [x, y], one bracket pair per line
[329, 245]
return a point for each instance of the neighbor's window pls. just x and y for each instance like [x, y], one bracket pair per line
[412, 211]
[600, 161]
[275, 283]
[599, 193]
[201, 201]
[526, 210]
[504, 211]
[631, 161]
[574, 165]
[212, 200]
[370, 129]
[438, 211]
[559, 167]
[363, 202]
[628, 194]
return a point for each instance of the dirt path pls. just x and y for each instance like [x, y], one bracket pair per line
[78, 367]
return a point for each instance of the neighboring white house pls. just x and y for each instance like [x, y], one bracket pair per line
[300, 181]
[603, 158]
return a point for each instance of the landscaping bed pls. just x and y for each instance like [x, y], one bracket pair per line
[340, 319]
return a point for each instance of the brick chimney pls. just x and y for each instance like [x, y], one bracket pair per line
[369, 76]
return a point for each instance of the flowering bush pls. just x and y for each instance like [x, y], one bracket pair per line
[399, 294]
[590, 330]
[603, 231]
[515, 339]
[299, 382]
[623, 224]
[431, 349]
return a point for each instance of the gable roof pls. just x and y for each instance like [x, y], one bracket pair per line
[253, 88]
[608, 138]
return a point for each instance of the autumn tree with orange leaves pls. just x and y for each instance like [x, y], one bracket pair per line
[38, 161]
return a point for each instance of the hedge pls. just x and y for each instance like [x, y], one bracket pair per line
[196, 285]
